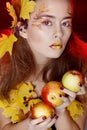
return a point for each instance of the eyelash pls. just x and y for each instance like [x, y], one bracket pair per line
[47, 22]
[67, 24]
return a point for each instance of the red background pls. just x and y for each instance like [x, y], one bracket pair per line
[80, 18]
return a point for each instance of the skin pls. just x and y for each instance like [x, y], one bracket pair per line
[50, 23]
[47, 27]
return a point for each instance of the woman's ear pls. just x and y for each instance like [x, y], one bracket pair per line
[22, 30]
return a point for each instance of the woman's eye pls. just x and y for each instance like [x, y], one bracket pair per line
[47, 23]
[67, 24]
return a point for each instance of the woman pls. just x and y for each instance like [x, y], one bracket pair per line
[42, 45]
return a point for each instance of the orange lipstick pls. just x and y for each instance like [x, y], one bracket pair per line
[56, 45]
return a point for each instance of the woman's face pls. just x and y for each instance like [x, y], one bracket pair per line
[49, 28]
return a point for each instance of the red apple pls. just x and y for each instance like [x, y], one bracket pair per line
[51, 93]
[41, 109]
[73, 80]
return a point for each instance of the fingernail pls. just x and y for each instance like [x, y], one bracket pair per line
[80, 85]
[60, 95]
[53, 116]
[66, 95]
[61, 88]
[56, 117]
[44, 117]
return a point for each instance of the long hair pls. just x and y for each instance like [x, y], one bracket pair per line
[21, 65]
[18, 67]
[59, 66]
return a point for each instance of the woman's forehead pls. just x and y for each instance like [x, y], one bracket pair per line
[52, 6]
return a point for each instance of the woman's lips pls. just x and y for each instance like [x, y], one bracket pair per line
[56, 45]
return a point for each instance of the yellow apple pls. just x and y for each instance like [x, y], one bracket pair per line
[41, 109]
[51, 93]
[73, 80]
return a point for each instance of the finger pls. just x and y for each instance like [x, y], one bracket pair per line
[45, 122]
[48, 123]
[62, 107]
[38, 120]
[82, 91]
[68, 99]
[68, 92]
[65, 99]
[71, 98]
[52, 122]
[85, 79]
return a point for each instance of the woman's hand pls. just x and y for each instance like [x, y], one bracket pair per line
[62, 112]
[41, 123]
[68, 98]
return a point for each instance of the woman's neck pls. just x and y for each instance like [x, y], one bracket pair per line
[36, 78]
[37, 82]
[40, 59]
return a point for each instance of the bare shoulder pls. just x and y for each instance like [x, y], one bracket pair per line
[3, 119]
[82, 118]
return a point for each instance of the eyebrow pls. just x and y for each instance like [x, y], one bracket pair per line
[45, 15]
[50, 16]
[69, 17]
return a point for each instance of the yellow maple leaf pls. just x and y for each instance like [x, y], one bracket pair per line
[12, 13]
[6, 44]
[26, 90]
[26, 8]
[11, 113]
[3, 37]
[75, 109]
[2, 104]
[15, 105]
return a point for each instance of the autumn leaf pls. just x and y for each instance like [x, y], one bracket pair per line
[6, 44]
[26, 8]
[12, 13]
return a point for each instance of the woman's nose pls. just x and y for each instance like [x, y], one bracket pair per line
[58, 33]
